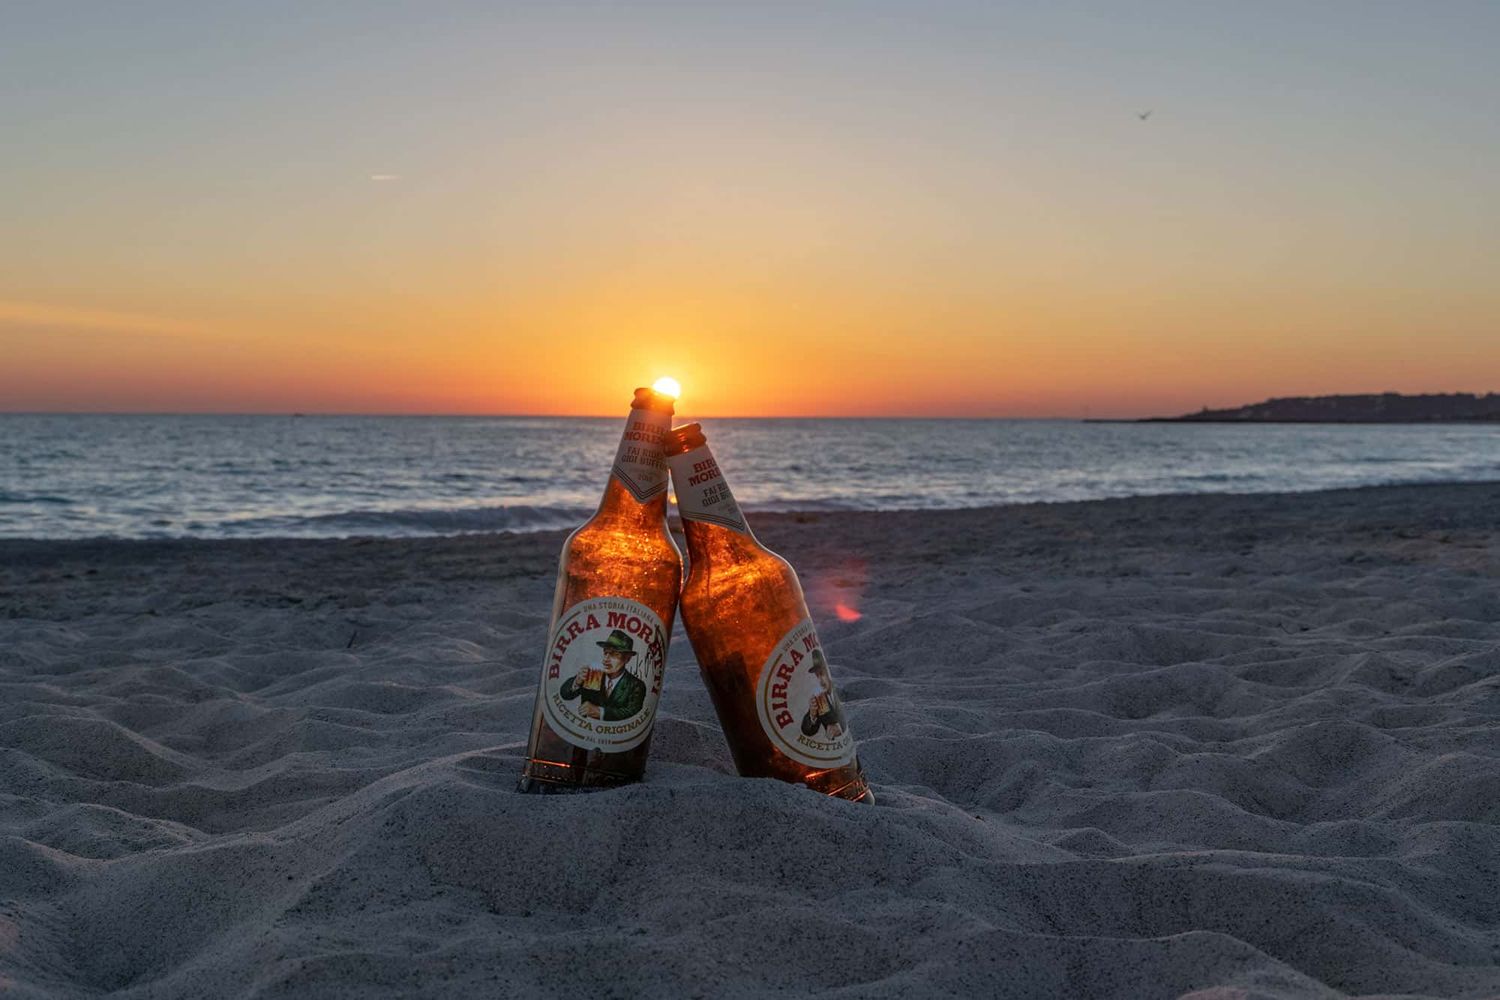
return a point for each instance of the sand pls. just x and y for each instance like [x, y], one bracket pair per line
[1208, 747]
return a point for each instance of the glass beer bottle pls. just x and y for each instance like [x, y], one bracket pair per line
[744, 613]
[617, 584]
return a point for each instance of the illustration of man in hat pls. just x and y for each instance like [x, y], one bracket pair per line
[619, 694]
[824, 710]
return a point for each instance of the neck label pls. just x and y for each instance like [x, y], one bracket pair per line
[702, 493]
[638, 462]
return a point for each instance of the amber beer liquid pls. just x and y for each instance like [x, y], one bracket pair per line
[617, 584]
[760, 656]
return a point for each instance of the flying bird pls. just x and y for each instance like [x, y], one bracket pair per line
[1143, 115]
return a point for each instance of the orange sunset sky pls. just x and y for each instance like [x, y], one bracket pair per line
[822, 209]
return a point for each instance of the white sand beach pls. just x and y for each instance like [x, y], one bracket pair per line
[1212, 747]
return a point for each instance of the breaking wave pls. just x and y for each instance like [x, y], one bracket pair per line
[412, 522]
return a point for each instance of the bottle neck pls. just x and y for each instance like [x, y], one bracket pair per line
[636, 493]
[711, 517]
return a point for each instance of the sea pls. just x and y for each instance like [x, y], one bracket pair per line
[84, 476]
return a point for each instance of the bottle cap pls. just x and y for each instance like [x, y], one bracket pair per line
[684, 438]
[650, 399]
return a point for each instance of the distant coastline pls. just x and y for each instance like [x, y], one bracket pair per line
[1373, 408]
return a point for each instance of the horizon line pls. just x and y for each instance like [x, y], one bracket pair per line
[300, 414]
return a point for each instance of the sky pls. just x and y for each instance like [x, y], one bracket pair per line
[925, 208]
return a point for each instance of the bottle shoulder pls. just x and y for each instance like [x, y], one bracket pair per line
[628, 540]
[721, 571]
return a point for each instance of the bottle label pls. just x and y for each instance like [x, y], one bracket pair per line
[799, 707]
[638, 462]
[602, 676]
[702, 493]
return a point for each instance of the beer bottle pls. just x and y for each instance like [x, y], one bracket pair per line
[744, 613]
[617, 584]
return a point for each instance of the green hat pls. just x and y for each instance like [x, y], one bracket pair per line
[619, 642]
[819, 665]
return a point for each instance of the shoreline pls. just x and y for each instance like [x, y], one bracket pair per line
[759, 515]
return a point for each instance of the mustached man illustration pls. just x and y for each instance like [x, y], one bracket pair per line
[622, 693]
[828, 716]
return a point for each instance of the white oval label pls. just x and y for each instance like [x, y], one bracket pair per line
[799, 707]
[602, 677]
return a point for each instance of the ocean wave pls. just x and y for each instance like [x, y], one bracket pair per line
[414, 521]
[804, 505]
[461, 520]
[23, 498]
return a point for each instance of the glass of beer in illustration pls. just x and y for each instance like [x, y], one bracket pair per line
[822, 703]
[593, 679]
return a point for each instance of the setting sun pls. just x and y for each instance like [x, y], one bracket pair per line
[667, 386]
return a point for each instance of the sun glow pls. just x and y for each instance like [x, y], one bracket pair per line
[667, 386]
